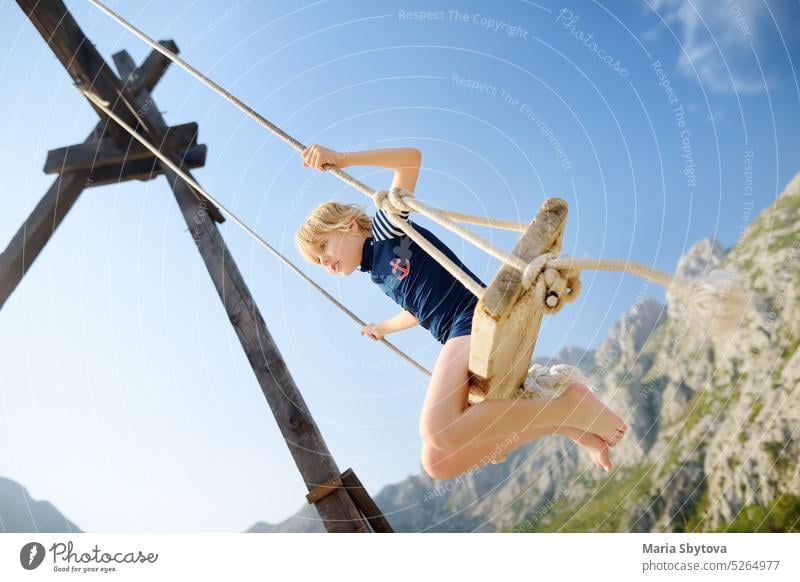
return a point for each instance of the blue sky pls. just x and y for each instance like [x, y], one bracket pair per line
[126, 392]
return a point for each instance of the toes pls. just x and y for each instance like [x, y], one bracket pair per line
[606, 461]
[617, 435]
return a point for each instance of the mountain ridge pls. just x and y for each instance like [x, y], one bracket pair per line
[713, 437]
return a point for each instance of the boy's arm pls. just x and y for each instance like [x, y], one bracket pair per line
[404, 161]
[401, 321]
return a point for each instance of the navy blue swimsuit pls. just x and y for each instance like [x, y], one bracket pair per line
[416, 281]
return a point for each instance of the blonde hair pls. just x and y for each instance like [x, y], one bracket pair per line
[325, 218]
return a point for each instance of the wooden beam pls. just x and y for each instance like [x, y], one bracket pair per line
[89, 155]
[143, 170]
[300, 432]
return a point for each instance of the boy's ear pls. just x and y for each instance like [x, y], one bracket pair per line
[353, 226]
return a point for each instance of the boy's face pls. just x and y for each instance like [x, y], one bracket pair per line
[339, 252]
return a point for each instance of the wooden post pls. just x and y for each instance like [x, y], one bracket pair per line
[302, 436]
[301, 433]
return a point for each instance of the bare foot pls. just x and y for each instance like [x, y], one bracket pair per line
[598, 449]
[591, 415]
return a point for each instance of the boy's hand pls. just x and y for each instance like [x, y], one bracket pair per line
[373, 331]
[316, 155]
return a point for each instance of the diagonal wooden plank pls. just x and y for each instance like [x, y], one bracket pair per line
[32, 236]
[145, 169]
[297, 425]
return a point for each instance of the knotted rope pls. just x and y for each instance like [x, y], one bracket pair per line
[715, 301]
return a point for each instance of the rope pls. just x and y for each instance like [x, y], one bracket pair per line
[277, 131]
[103, 105]
[554, 282]
[490, 222]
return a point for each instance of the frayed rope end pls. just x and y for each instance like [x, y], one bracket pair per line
[550, 382]
[714, 302]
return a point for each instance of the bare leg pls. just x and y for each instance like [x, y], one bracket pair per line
[447, 423]
[443, 464]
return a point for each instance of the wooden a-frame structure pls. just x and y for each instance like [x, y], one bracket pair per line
[110, 155]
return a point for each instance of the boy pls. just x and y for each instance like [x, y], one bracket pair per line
[341, 238]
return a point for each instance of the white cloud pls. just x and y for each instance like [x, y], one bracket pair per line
[717, 37]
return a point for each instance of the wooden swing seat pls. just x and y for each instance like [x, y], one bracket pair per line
[507, 320]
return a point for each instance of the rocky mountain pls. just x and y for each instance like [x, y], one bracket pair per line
[714, 437]
[20, 513]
